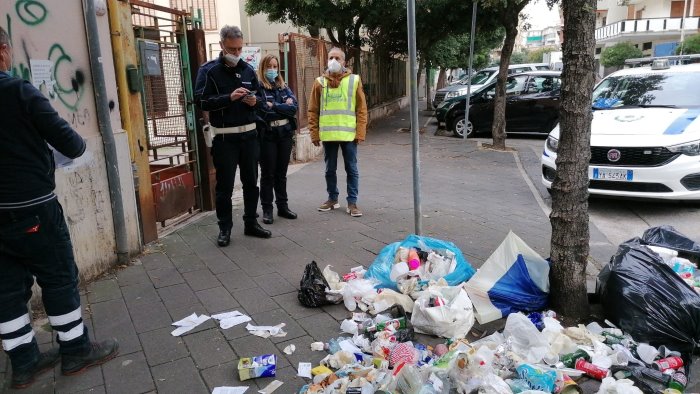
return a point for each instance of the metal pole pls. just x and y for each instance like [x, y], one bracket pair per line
[412, 56]
[471, 63]
[685, 8]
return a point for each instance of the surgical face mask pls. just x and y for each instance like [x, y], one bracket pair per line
[334, 66]
[271, 74]
[232, 59]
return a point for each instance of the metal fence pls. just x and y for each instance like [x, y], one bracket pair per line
[383, 80]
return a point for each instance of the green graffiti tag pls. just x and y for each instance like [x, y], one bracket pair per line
[31, 12]
[71, 95]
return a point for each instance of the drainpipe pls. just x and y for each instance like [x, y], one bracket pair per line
[105, 126]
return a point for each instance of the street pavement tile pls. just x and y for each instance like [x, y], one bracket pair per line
[147, 317]
[93, 390]
[303, 352]
[142, 293]
[217, 300]
[236, 280]
[209, 348]
[321, 327]
[221, 375]
[275, 317]
[161, 347]
[187, 263]
[128, 374]
[165, 277]
[256, 346]
[337, 311]
[41, 386]
[256, 267]
[177, 296]
[103, 290]
[179, 313]
[290, 303]
[237, 252]
[156, 260]
[173, 245]
[70, 384]
[201, 280]
[254, 300]
[274, 284]
[179, 376]
[133, 275]
[287, 375]
[218, 262]
[111, 320]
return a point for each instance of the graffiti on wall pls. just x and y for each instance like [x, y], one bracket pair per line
[67, 80]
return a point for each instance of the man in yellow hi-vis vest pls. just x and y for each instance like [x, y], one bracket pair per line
[338, 119]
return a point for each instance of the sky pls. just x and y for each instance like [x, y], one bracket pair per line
[540, 16]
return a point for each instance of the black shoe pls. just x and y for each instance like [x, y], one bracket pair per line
[255, 230]
[24, 379]
[267, 216]
[224, 238]
[99, 353]
[286, 213]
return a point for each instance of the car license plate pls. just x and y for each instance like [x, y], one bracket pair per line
[608, 174]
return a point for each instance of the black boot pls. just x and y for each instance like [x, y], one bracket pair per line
[286, 213]
[99, 353]
[224, 238]
[267, 216]
[24, 378]
[254, 229]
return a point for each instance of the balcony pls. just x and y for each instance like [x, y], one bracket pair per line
[648, 29]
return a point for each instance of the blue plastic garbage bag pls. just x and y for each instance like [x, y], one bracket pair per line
[381, 267]
[515, 278]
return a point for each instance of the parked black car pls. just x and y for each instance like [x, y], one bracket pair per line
[532, 106]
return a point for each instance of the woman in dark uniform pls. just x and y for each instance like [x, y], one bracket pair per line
[277, 109]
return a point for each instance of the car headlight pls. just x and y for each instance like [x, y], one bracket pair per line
[552, 144]
[690, 148]
[455, 93]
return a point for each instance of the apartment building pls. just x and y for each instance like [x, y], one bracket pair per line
[654, 26]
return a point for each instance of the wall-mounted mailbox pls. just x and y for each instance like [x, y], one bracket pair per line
[150, 58]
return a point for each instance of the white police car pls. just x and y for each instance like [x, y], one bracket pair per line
[645, 134]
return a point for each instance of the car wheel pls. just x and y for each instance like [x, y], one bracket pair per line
[458, 127]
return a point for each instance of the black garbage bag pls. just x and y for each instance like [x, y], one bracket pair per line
[313, 285]
[642, 296]
[669, 237]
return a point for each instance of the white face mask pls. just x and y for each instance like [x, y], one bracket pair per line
[334, 66]
[232, 59]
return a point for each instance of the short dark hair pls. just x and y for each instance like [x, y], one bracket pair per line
[4, 37]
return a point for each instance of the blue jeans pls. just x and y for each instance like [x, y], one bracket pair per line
[330, 156]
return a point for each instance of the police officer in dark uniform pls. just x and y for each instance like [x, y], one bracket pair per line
[226, 88]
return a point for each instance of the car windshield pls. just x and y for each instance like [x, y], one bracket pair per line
[648, 90]
[480, 77]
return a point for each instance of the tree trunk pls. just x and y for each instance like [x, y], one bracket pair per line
[428, 82]
[498, 130]
[420, 69]
[569, 217]
[442, 79]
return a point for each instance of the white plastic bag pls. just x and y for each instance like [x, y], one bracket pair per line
[525, 339]
[452, 320]
[358, 290]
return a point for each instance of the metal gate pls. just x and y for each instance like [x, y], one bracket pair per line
[167, 100]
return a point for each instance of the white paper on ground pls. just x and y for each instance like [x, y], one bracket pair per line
[274, 385]
[267, 331]
[349, 326]
[230, 390]
[318, 346]
[188, 323]
[230, 319]
[290, 349]
[349, 346]
[304, 370]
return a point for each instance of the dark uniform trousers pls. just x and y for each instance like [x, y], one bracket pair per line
[275, 151]
[34, 242]
[228, 152]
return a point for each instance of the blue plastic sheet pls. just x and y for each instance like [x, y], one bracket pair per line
[381, 267]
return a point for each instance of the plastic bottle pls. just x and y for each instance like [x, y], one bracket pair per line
[333, 346]
[413, 260]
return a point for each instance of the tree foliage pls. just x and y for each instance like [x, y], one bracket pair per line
[519, 58]
[691, 45]
[616, 55]
[537, 55]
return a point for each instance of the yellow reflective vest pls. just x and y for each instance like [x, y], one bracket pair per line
[337, 120]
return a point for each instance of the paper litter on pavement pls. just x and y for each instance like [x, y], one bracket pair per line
[230, 319]
[230, 390]
[188, 324]
[304, 370]
[267, 331]
[274, 385]
[290, 349]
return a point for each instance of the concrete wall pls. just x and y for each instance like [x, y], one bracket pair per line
[54, 30]
[652, 9]
[261, 33]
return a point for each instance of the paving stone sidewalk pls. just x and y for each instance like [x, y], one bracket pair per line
[470, 196]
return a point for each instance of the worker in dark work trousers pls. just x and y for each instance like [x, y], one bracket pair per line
[226, 88]
[277, 109]
[34, 238]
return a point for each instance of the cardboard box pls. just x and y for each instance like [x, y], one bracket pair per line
[257, 367]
